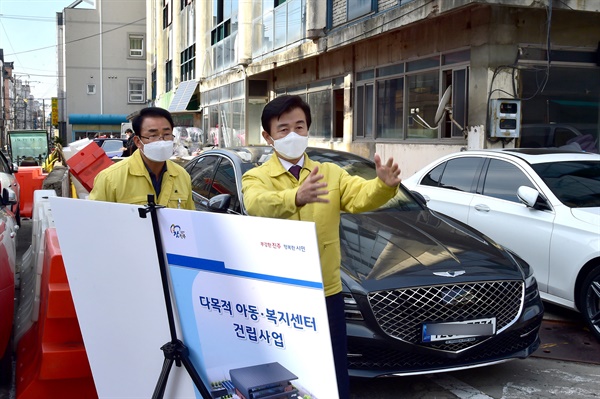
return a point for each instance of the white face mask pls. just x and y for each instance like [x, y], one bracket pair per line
[158, 151]
[292, 146]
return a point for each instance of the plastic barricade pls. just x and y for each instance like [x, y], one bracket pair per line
[30, 178]
[51, 357]
[86, 163]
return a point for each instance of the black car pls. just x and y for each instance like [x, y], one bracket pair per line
[423, 292]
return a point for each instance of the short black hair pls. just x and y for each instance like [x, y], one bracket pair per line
[128, 130]
[150, 112]
[279, 106]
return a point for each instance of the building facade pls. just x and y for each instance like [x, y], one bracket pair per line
[412, 79]
[102, 67]
[19, 110]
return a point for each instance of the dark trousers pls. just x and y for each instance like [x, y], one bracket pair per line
[337, 329]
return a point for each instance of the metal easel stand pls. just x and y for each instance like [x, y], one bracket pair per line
[175, 350]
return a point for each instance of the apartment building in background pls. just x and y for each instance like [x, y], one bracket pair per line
[101, 65]
[375, 71]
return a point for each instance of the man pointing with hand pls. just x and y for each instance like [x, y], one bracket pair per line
[292, 186]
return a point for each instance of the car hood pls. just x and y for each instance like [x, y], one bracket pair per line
[587, 215]
[390, 249]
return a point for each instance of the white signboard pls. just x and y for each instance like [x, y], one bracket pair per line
[247, 294]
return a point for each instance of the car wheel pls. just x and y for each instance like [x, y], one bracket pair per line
[590, 301]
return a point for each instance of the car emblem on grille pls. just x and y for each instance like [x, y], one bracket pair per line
[450, 274]
[457, 296]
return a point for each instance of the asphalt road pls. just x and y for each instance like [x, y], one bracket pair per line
[565, 367]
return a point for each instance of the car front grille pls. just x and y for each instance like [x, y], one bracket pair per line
[401, 312]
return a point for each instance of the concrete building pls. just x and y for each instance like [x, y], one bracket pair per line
[375, 71]
[102, 66]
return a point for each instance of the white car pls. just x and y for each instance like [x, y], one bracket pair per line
[9, 180]
[543, 204]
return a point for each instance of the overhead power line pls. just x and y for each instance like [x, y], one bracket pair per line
[28, 18]
[80, 39]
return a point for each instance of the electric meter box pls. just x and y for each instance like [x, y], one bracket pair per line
[506, 118]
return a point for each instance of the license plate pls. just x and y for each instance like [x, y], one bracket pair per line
[457, 330]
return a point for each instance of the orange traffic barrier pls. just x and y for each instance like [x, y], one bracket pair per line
[30, 178]
[87, 163]
[51, 357]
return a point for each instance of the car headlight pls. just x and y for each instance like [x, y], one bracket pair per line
[525, 269]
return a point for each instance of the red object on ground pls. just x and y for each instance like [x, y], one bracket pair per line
[87, 163]
[30, 178]
[51, 357]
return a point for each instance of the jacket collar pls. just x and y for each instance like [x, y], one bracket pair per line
[274, 167]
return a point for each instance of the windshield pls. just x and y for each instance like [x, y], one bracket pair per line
[112, 145]
[576, 183]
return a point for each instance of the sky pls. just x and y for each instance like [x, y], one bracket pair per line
[28, 37]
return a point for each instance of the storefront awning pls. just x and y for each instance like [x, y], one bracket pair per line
[97, 119]
[184, 93]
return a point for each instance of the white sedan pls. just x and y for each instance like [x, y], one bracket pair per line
[543, 204]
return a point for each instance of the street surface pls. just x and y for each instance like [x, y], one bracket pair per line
[567, 366]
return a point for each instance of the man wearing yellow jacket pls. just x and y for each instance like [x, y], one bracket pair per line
[149, 170]
[292, 186]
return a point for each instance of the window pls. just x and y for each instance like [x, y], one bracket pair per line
[423, 99]
[358, 8]
[279, 23]
[503, 179]
[365, 98]
[400, 101]
[169, 76]
[390, 105]
[223, 10]
[136, 90]
[202, 174]
[185, 3]
[188, 63]
[136, 45]
[167, 14]
[224, 183]
[460, 174]
[560, 95]
[153, 77]
[320, 106]
[224, 33]
[91, 89]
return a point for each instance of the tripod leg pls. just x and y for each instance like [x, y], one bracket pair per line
[159, 391]
[194, 375]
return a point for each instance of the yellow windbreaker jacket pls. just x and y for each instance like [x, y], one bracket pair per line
[128, 181]
[270, 191]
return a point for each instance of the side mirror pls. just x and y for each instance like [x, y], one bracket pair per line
[219, 203]
[532, 198]
[9, 197]
[419, 197]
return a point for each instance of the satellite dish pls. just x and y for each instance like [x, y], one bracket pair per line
[441, 110]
